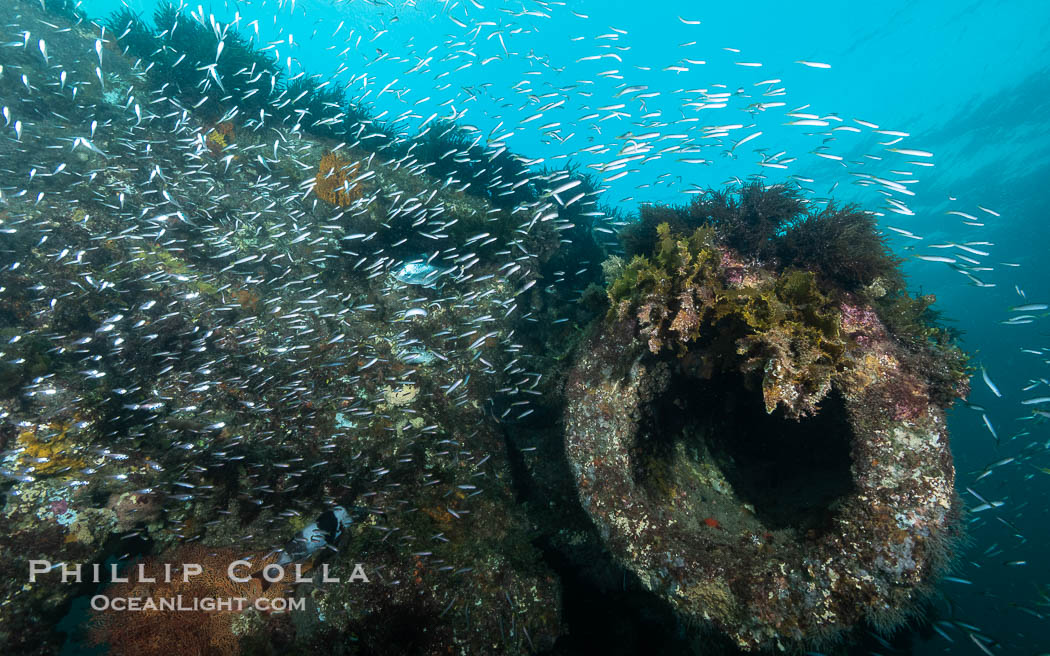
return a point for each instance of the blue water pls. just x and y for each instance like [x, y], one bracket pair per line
[969, 82]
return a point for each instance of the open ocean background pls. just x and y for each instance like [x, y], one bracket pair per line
[969, 82]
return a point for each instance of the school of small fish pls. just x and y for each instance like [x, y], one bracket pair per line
[262, 309]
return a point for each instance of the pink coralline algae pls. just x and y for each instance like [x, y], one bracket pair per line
[859, 318]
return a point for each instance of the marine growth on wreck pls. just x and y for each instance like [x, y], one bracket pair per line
[751, 439]
[380, 356]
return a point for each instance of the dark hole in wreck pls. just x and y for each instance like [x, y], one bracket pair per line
[792, 472]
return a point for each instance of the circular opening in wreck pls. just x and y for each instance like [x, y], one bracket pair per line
[710, 445]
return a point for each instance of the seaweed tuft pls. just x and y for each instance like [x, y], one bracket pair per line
[751, 220]
[680, 286]
[182, 53]
[748, 220]
[843, 246]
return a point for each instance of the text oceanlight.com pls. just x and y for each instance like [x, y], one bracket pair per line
[205, 604]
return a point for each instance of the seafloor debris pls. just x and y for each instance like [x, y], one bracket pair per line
[759, 449]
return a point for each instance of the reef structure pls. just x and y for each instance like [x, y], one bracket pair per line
[389, 415]
[760, 450]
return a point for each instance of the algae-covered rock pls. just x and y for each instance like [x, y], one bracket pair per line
[207, 345]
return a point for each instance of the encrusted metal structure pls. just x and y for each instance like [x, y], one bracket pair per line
[779, 532]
